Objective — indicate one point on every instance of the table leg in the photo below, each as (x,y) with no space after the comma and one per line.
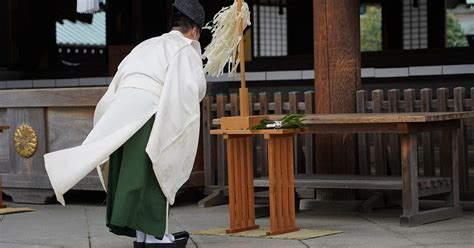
(452,199)
(1,197)
(411,214)
(409,178)
(281,184)
(1,189)
(241,190)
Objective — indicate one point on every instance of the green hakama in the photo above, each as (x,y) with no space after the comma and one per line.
(135,200)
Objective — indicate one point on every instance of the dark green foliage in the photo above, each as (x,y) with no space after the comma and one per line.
(371,29)
(454,34)
(289,121)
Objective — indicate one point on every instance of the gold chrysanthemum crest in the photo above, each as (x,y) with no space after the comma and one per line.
(26,140)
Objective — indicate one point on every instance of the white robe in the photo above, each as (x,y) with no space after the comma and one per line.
(162,76)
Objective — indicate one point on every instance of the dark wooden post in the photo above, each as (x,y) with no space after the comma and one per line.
(1,190)
(337,78)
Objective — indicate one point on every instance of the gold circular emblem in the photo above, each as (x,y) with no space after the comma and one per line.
(25,140)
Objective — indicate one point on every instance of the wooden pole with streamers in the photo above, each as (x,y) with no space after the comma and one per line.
(235,130)
(243,91)
(246,120)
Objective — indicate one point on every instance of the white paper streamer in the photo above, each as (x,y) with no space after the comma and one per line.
(87,6)
(223,48)
(275,124)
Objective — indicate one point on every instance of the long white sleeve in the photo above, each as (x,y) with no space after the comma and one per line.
(174,139)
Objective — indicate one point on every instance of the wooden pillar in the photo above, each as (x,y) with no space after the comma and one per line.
(337,78)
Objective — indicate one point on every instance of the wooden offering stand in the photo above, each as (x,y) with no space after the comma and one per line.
(280,175)
(239,155)
(237,133)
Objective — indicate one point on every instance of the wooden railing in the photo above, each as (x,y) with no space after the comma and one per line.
(377,154)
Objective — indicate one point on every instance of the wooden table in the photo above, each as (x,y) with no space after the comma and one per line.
(281,179)
(1,197)
(407,125)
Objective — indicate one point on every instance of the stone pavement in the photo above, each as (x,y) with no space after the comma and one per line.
(82,226)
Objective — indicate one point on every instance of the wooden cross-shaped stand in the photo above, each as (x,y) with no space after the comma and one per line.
(1,198)
(244,121)
(239,151)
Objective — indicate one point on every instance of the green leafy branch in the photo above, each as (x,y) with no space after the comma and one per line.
(289,121)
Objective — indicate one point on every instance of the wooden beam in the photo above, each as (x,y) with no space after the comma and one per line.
(426,185)
(430,216)
(70,97)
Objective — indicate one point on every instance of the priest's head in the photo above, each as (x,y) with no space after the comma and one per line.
(188,17)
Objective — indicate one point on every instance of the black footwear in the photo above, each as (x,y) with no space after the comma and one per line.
(165,245)
(138,244)
(180,241)
(181,238)
(180,235)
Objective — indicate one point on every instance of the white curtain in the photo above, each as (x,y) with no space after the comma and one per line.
(87,6)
